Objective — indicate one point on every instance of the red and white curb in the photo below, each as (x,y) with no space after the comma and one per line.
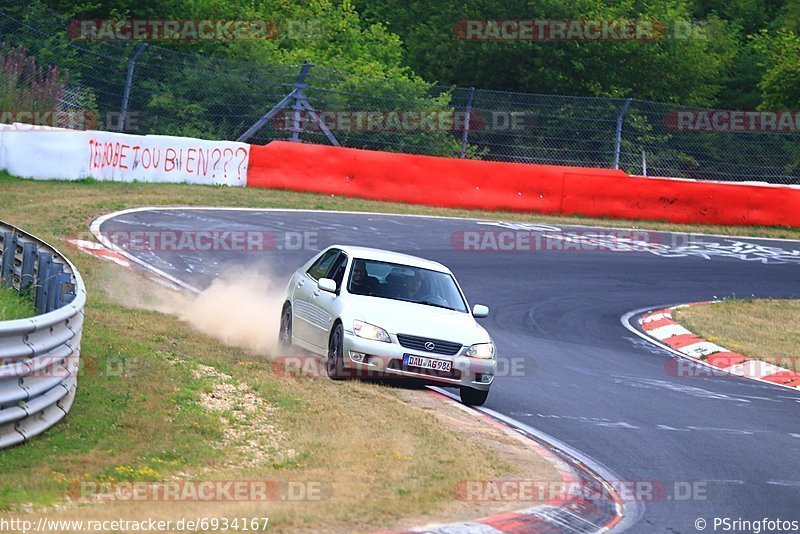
(99,250)
(659,325)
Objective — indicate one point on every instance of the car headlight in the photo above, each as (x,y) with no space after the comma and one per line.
(370,331)
(481,350)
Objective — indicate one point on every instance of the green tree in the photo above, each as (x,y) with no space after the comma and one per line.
(780,53)
(680,67)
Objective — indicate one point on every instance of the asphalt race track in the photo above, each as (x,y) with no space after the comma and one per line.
(578,374)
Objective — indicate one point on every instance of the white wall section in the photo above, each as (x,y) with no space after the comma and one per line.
(51,153)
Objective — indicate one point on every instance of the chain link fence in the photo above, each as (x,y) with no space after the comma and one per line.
(140,88)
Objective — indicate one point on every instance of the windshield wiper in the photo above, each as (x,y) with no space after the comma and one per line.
(429,303)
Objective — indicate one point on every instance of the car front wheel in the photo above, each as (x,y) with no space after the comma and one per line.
(473,397)
(335,366)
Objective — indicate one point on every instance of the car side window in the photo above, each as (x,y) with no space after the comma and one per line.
(320,267)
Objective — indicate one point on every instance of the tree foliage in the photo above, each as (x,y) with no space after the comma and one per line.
(716,64)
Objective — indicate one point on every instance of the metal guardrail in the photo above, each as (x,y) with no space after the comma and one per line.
(39,356)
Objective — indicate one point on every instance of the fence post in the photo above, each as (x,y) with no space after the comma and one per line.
(7,264)
(465,135)
(299,98)
(53,286)
(618,141)
(62,279)
(644,163)
(298,84)
(42,272)
(126,95)
(28,265)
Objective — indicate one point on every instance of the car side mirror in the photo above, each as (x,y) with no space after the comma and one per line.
(327,284)
(479,311)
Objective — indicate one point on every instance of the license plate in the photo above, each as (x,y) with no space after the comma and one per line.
(426,363)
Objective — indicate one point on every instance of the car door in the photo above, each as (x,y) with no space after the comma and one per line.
(324,305)
(303,327)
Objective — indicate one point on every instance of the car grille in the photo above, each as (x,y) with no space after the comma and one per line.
(453,374)
(418,343)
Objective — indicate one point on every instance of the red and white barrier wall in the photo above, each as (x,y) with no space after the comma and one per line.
(434,181)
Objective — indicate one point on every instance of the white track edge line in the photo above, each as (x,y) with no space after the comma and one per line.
(346,212)
(94,228)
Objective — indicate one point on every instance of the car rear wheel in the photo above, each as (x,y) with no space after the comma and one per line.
(285,332)
(335,366)
(473,397)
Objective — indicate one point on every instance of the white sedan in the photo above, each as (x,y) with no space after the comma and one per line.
(373,312)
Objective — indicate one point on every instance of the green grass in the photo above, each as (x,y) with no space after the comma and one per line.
(15,306)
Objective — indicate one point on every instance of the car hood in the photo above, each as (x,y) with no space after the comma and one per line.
(399,317)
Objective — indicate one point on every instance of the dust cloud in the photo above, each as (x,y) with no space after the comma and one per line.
(241,307)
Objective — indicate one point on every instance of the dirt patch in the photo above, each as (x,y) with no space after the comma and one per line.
(251,437)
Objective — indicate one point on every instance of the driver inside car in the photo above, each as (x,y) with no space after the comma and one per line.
(361,282)
(414,287)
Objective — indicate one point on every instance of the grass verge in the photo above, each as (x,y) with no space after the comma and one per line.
(158,402)
(767,330)
(15,306)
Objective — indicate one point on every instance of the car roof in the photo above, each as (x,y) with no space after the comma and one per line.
(367,253)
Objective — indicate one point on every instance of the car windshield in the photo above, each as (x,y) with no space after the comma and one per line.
(404,282)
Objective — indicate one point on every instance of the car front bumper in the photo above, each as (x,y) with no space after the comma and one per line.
(386,359)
